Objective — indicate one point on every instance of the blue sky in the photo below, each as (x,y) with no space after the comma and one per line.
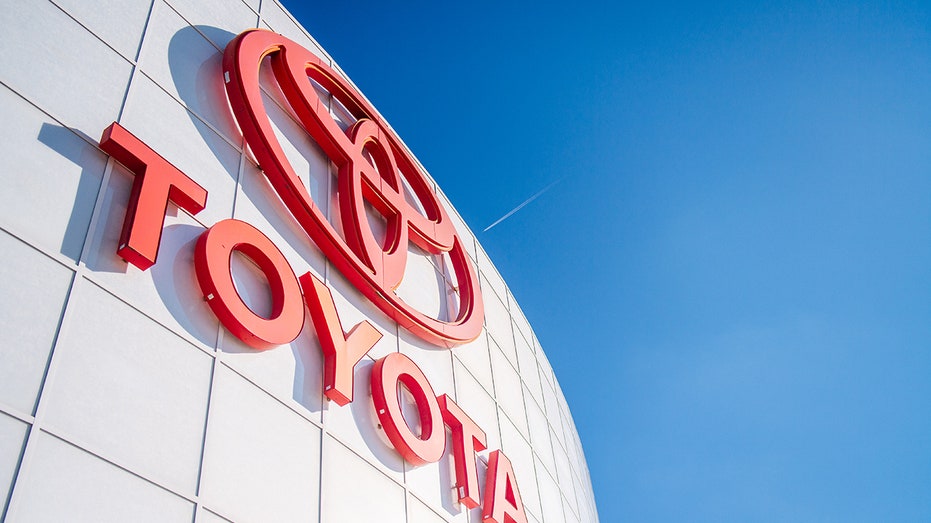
(733,278)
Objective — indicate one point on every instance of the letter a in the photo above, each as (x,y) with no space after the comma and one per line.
(502,499)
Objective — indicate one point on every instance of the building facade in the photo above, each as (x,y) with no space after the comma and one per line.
(134,386)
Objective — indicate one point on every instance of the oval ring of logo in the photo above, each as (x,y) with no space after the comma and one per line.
(370,162)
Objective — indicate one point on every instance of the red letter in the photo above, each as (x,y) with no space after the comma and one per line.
(468,439)
(157,182)
(389,372)
(341,351)
(212,265)
(502,499)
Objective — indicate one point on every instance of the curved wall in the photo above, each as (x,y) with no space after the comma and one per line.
(122,398)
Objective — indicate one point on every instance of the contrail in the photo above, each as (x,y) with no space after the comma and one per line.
(521,206)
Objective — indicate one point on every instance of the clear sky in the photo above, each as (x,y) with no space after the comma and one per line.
(732,279)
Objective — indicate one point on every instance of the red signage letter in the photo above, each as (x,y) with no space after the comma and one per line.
(157,182)
(502,499)
(390,372)
(468,438)
(212,265)
(341,351)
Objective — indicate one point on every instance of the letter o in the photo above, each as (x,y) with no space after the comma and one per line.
(212,257)
(389,372)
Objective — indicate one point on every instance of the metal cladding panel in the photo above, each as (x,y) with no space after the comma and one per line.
(125,398)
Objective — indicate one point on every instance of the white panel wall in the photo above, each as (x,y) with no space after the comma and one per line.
(121,396)
(261,457)
(12,437)
(61,482)
(34,290)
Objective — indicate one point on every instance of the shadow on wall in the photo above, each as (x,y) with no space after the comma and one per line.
(363,414)
(76,147)
(177,285)
(200,83)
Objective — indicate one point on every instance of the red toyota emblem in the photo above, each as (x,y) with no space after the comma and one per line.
(375,268)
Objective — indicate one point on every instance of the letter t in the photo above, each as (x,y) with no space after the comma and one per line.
(157,182)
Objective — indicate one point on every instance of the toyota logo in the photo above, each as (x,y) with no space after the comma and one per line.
(372,166)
